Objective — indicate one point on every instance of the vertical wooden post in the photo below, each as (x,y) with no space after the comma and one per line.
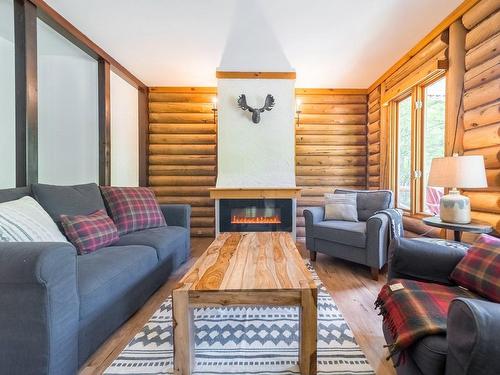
(454,89)
(25,31)
(183,325)
(143,136)
(308,332)
(104,74)
(384,142)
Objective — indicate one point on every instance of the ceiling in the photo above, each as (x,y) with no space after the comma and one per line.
(330,43)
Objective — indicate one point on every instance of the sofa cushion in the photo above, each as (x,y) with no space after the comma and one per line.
(133,208)
(90,232)
(344,232)
(341,207)
(429,354)
(168,241)
(370,201)
(68,200)
(7,195)
(479,269)
(107,275)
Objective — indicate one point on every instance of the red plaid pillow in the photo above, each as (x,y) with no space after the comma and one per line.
(479,269)
(133,208)
(90,232)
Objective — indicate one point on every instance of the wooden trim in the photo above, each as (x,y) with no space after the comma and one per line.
(183,89)
(428,70)
(143,129)
(442,26)
(26,79)
(254,193)
(104,122)
(255,75)
(312,91)
(68,30)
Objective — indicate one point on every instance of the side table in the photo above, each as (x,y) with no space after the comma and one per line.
(473,226)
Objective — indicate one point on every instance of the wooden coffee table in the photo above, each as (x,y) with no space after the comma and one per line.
(239,269)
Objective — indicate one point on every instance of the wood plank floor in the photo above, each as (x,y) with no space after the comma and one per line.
(349,284)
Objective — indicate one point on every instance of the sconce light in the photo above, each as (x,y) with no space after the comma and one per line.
(214,108)
(298,111)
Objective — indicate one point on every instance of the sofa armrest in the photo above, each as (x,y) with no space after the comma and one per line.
(177,214)
(377,240)
(312,215)
(39,308)
(413,259)
(472,334)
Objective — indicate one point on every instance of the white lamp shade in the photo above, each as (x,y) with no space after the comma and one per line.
(458,172)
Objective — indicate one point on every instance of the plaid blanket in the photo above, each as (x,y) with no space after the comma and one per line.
(418,309)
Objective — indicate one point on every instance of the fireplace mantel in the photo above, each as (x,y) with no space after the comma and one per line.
(254,193)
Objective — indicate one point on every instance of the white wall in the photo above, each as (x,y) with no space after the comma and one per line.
(256,155)
(7,97)
(124,133)
(68,130)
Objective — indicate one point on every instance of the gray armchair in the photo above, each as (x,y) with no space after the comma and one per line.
(471,344)
(364,242)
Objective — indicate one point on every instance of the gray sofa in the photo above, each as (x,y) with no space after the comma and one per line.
(57,308)
(472,344)
(364,242)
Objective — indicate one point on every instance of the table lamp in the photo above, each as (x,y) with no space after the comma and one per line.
(457,172)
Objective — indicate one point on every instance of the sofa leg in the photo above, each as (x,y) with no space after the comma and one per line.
(374,272)
(312,255)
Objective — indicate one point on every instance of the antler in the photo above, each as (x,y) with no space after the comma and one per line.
(268,104)
(242,102)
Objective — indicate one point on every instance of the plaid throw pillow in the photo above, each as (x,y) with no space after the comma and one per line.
(479,269)
(132,208)
(90,232)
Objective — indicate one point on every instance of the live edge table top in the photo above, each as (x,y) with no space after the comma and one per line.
(249,261)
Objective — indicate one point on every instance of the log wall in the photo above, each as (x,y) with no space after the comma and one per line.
(182,151)
(374,149)
(481,102)
(331,138)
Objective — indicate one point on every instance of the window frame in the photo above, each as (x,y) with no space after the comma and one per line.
(417,94)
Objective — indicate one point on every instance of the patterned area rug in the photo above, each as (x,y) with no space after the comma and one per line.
(259,340)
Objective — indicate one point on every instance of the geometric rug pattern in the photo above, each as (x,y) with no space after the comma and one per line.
(245,340)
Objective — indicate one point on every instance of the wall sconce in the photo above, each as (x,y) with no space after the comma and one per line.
(214,108)
(298,111)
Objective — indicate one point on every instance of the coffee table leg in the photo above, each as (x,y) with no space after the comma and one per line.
(182,317)
(308,332)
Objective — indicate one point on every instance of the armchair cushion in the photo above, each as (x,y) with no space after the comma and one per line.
(479,269)
(345,232)
(369,201)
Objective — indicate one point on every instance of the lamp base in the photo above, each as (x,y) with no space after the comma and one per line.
(455,208)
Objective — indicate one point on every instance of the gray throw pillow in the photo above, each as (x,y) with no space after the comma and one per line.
(341,207)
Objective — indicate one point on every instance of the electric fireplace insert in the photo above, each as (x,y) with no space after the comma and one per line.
(255,215)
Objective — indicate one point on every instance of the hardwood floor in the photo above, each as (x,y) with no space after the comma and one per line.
(350,285)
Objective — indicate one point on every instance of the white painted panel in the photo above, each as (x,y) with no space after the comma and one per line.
(7,97)
(256,155)
(68,131)
(124,133)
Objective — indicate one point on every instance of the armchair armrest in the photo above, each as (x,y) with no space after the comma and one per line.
(39,311)
(413,259)
(312,215)
(177,214)
(473,341)
(377,240)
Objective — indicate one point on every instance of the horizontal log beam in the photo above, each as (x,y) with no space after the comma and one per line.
(484,136)
(485,72)
(321,129)
(481,95)
(484,30)
(182,149)
(329,150)
(182,160)
(483,115)
(479,12)
(487,50)
(330,160)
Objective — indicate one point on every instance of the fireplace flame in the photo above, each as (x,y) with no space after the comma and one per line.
(235,219)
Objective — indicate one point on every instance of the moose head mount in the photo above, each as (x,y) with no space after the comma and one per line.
(268,105)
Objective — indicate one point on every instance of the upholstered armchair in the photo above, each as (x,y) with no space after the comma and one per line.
(364,242)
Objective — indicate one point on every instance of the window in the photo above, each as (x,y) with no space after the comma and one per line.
(7,96)
(418,123)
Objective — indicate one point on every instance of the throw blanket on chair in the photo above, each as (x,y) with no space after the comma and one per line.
(416,310)
(396,220)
